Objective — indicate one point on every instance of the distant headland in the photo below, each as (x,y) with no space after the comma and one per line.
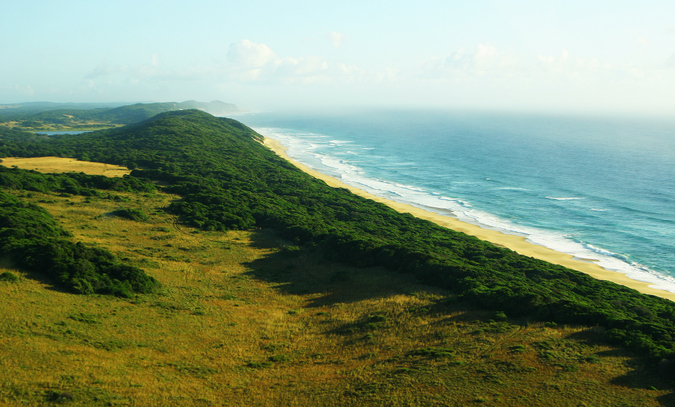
(48,116)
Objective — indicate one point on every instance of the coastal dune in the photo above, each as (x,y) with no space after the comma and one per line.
(516,243)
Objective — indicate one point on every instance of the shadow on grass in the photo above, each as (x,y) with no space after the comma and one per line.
(302,271)
(644,373)
(46,280)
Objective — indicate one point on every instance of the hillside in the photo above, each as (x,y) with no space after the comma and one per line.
(329,241)
(69,116)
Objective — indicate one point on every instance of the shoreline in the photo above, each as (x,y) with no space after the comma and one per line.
(513,242)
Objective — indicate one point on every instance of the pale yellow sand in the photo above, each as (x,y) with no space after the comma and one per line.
(58,164)
(515,243)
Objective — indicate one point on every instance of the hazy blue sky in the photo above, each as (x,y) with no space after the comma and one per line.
(532,55)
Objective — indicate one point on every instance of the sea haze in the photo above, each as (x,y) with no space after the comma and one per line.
(596,188)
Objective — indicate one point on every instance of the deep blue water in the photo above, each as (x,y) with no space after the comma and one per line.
(596,188)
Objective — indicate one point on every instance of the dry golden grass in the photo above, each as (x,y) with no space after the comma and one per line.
(60,164)
(242,321)
(10,124)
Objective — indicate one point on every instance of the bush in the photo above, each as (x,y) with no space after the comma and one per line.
(34,241)
(10,277)
(132,214)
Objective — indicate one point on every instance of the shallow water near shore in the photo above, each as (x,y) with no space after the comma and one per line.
(600,189)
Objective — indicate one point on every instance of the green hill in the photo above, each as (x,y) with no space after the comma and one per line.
(70,116)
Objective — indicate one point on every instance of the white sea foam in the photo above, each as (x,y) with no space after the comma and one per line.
(303,146)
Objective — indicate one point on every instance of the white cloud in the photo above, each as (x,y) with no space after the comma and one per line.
(104,68)
(336,38)
(642,40)
(349,70)
(670,62)
(488,58)
(552,63)
(251,62)
(562,65)
(386,75)
(25,90)
(310,69)
(248,54)
(485,60)
(247,63)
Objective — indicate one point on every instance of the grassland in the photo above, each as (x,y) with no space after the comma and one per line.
(245,318)
(62,164)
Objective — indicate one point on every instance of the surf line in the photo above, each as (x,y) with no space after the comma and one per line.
(519,244)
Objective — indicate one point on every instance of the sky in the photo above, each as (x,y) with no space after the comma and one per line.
(591,56)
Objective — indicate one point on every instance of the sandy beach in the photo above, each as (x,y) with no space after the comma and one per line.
(515,243)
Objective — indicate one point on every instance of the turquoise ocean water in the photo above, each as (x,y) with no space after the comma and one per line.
(595,188)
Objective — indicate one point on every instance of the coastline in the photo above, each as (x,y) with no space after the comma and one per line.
(513,242)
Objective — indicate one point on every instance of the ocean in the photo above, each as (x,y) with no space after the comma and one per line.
(598,188)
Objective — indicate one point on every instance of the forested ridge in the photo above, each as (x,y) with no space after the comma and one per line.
(59,116)
(228,180)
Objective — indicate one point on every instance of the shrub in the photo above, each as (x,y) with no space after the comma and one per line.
(132,214)
(10,277)
(34,241)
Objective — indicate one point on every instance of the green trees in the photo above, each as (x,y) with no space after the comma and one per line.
(132,214)
(35,242)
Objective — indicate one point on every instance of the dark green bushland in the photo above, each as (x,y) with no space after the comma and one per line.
(35,242)
(84,116)
(132,214)
(9,277)
(228,180)
(71,183)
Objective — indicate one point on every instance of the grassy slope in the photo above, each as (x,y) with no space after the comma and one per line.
(244,319)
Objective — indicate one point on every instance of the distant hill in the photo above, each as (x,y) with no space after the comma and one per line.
(143,111)
(38,107)
(46,116)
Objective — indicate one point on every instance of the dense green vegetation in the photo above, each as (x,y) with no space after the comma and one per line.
(34,241)
(70,183)
(72,116)
(228,180)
